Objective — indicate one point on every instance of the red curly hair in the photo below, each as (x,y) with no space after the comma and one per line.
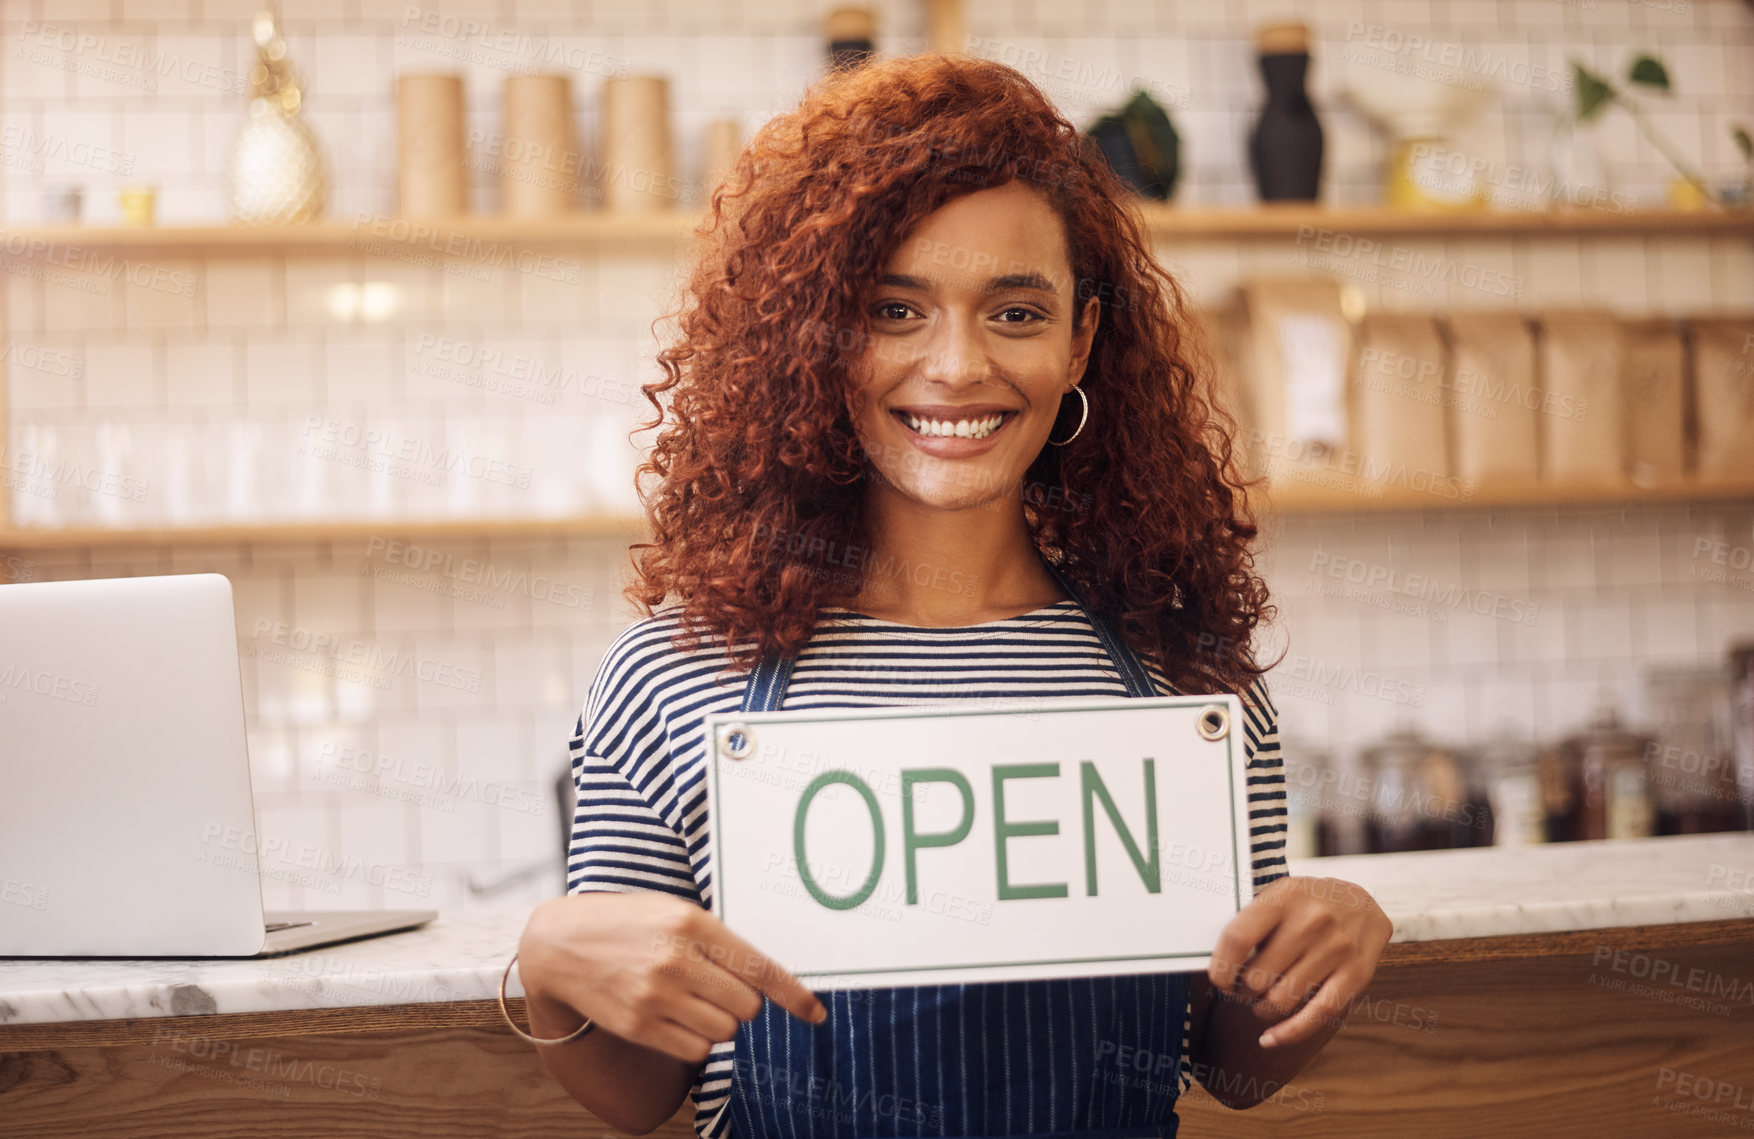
(760,439)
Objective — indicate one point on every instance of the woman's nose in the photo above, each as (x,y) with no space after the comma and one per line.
(954,353)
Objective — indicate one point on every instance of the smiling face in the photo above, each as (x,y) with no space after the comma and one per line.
(971,350)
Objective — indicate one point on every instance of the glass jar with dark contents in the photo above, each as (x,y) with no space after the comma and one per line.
(1420,798)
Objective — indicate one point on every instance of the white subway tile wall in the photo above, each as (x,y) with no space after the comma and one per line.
(409,704)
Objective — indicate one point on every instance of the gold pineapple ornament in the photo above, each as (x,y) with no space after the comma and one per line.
(276,174)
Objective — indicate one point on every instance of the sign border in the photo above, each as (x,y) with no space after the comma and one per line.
(1242,852)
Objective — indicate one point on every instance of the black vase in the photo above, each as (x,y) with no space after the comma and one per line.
(1285,147)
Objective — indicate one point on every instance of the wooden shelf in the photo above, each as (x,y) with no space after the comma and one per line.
(1295,219)
(1325,493)
(591,526)
(467,237)
(476,236)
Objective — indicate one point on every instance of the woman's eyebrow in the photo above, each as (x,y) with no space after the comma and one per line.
(994,284)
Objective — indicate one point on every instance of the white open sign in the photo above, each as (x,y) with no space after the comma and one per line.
(973,841)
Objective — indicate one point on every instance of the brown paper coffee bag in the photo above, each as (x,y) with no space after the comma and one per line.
(1294,362)
(1494,405)
(1653,393)
(1580,361)
(1396,399)
(1213,336)
(1723,373)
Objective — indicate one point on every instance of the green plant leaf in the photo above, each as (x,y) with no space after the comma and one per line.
(1591,89)
(1743,142)
(1649,71)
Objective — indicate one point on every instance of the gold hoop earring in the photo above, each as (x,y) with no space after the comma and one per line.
(1082,416)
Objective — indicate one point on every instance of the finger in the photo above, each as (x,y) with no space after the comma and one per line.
(1301,982)
(1303,945)
(672,1039)
(1272,960)
(1240,935)
(756,968)
(724,990)
(1323,1009)
(1307,924)
(702,1017)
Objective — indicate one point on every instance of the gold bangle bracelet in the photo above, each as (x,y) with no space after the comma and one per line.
(503,1011)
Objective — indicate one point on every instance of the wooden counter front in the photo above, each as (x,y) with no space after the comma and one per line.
(1543,1034)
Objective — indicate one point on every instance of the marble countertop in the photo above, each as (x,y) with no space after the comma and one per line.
(1496,891)
(460,955)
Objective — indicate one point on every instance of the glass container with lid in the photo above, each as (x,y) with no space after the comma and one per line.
(1692,766)
(1308,774)
(1419,798)
(1599,782)
(1742,726)
(1510,770)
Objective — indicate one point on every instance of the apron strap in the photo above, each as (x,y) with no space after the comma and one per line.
(1126,661)
(767,684)
(766,687)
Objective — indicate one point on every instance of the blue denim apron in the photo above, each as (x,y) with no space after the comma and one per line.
(1078,1058)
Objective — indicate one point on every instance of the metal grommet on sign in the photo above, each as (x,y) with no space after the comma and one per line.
(1214,723)
(736,741)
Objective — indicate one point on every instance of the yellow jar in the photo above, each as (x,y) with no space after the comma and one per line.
(138,204)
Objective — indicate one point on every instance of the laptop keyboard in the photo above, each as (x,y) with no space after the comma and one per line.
(277,926)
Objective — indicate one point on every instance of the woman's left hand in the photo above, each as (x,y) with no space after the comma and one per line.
(1299,953)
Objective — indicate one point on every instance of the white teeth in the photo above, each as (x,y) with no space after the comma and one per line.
(962,428)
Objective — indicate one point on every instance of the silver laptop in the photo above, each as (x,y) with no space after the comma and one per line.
(127,828)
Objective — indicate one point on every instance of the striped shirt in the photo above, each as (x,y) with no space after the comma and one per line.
(638,754)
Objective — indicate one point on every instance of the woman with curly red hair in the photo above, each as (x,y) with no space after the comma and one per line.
(932,428)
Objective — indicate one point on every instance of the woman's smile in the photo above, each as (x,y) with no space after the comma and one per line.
(953,433)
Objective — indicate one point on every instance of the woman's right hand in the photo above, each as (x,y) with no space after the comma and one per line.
(652,968)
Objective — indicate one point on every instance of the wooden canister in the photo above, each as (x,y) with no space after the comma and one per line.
(638,168)
(540,162)
(724,141)
(852,36)
(431,178)
(947,26)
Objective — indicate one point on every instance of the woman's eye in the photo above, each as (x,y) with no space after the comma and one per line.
(893,310)
(1028,315)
